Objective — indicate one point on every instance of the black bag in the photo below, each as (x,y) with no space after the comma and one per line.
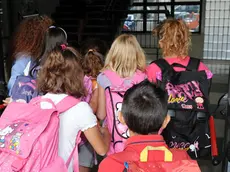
(188,104)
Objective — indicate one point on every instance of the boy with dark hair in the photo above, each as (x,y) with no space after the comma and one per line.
(144,111)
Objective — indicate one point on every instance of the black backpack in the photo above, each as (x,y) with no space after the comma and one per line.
(188,104)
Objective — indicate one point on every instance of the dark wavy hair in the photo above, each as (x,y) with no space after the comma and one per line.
(54,36)
(62,73)
(93,52)
(28,38)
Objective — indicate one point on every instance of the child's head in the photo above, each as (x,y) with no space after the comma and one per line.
(54,36)
(125,56)
(93,52)
(175,38)
(144,108)
(62,73)
(29,36)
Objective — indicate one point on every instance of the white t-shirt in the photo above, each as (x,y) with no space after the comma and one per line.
(79,117)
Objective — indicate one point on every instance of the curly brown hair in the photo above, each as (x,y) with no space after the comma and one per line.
(92,63)
(62,73)
(28,37)
(175,38)
(93,51)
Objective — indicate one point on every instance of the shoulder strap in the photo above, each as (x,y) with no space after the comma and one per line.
(193,64)
(67,103)
(162,64)
(74,154)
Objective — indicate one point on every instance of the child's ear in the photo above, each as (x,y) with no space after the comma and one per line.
(166,121)
(121,118)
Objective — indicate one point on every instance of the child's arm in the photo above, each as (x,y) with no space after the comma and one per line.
(101,110)
(94,101)
(100,140)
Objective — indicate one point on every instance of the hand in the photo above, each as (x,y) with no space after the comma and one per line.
(7,101)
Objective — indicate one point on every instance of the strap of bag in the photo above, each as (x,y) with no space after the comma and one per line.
(67,103)
(163,65)
(193,64)
(74,154)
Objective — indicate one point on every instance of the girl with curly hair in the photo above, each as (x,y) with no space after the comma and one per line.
(175,41)
(93,52)
(27,44)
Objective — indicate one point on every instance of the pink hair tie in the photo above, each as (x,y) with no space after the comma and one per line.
(63,47)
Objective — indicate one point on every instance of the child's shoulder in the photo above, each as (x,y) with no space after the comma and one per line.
(179,154)
(112,161)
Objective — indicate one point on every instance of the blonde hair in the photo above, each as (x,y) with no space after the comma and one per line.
(175,38)
(125,56)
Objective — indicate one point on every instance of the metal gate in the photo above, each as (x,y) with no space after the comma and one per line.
(217,30)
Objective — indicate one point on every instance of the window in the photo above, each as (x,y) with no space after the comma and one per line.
(147,14)
(190,14)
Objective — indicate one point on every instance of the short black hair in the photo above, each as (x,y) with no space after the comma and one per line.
(144,108)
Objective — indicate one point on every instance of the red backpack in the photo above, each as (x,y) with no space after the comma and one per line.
(134,162)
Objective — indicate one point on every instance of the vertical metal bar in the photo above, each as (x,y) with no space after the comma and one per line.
(228,34)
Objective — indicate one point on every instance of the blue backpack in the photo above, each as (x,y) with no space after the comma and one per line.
(24,88)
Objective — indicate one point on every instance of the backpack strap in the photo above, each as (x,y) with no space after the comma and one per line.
(74,154)
(193,64)
(162,64)
(67,103)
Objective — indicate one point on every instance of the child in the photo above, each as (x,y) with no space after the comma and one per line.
(53,36)
(27,44)
(187,81)
(124,67)
(144,111)
(175,39)
(62,75)
(93,52)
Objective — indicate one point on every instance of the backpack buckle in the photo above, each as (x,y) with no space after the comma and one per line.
(201,116)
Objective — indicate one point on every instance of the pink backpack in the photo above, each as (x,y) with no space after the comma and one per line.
(88,86)
(114,97)
(29,137)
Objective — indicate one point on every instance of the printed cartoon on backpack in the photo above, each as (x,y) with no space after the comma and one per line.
(114,98)
(187,105)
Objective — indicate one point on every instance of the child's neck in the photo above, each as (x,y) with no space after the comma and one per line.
(131,133)
(174,56)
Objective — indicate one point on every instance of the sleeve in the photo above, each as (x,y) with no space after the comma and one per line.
(151,72)
(202,66)
(17,69)
(103,80)
(86,116)
(107,163)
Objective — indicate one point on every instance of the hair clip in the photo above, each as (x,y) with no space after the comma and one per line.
(90,50)
(96,53)
(52,27)
(63,47)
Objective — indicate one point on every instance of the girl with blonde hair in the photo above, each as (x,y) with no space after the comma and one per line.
(124,67)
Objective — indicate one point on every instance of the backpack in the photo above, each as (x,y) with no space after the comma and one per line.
(188,106)
(114,97)
(134,162)
(88,86)
(29,136)
(24,88)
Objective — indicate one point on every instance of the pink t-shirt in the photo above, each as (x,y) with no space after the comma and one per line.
(153,71)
